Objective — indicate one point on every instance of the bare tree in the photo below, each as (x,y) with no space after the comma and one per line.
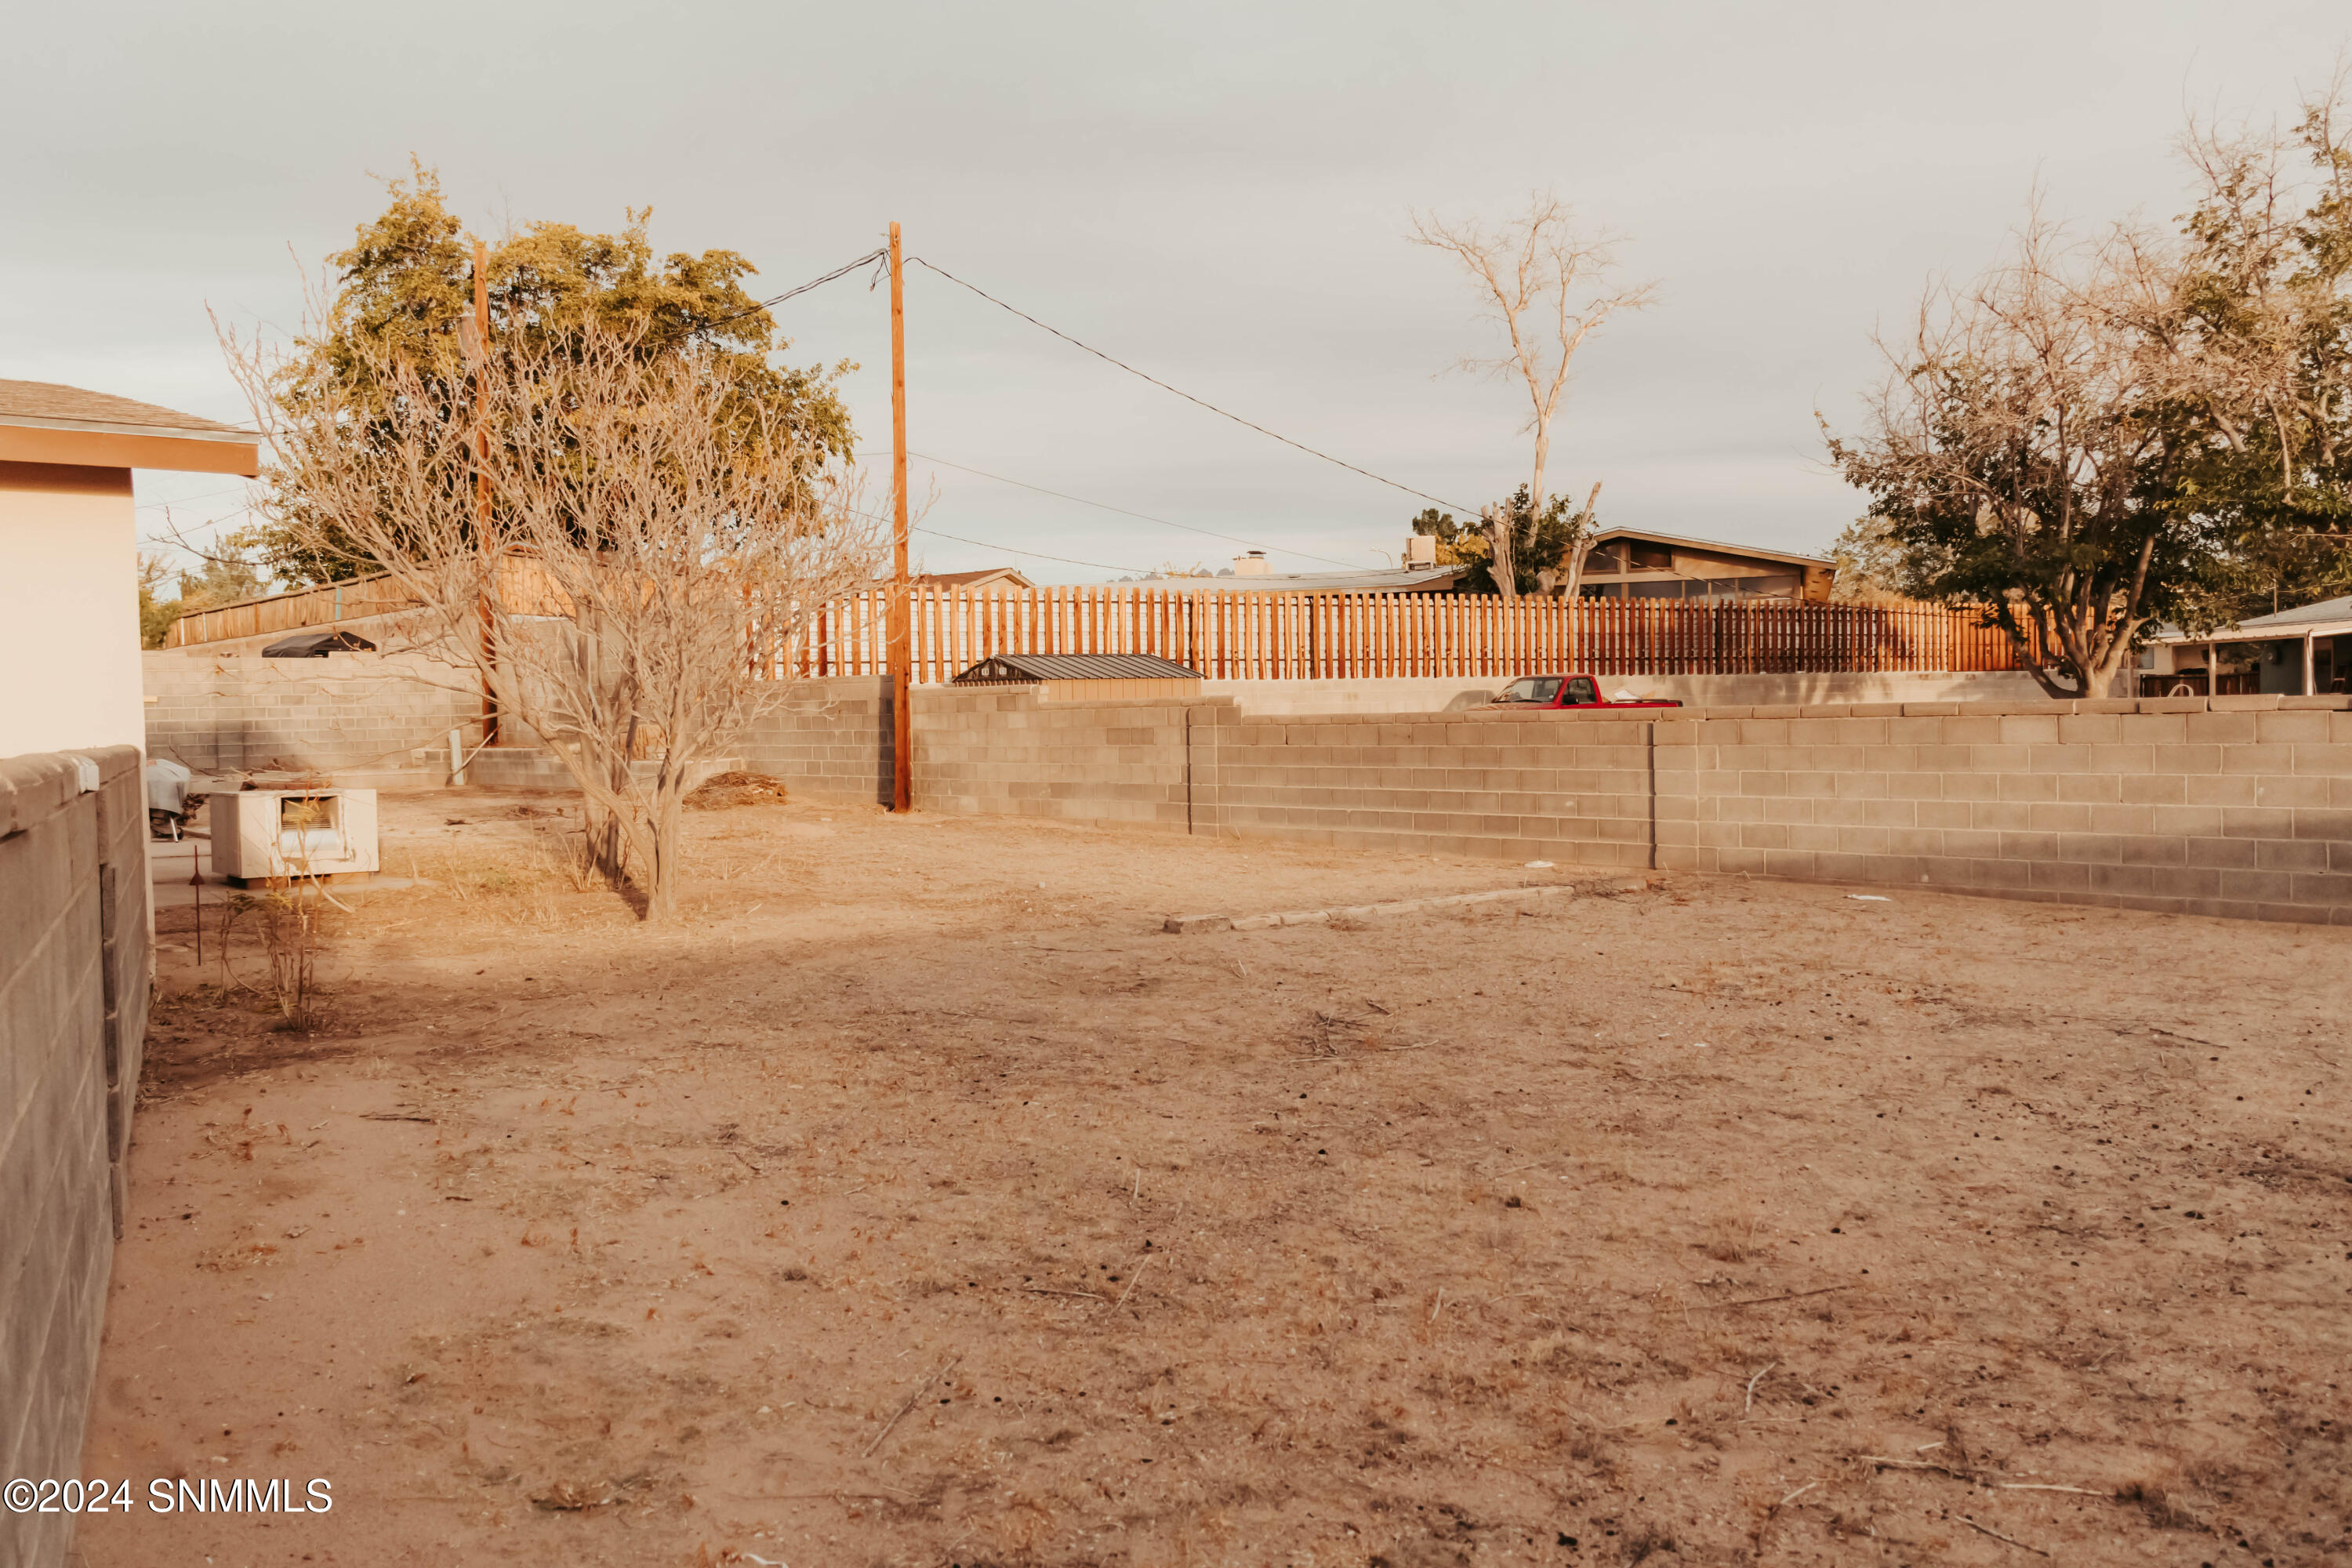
(627,554)
(2022,456)
(1551,284)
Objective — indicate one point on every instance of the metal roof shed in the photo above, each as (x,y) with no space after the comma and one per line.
(1086,677)
(318,645)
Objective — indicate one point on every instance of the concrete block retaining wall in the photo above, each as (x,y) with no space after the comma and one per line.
(382,720)
(829,741)
(1449,783)
(2231,805)
(75,965)
(2186,804)
(2237,806)
(993,752)
(370,718)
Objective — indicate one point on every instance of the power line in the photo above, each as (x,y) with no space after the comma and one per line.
(984,544)
(1105,506)
(1039,555)
(843,270)
(188,500)
(1187,396)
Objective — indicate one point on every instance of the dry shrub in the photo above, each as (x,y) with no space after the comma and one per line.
(1646,1542)
(2164,1511)
(1727,1247)
(721,790)
(237,1255)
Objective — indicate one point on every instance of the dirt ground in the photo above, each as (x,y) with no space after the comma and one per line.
(915,1200)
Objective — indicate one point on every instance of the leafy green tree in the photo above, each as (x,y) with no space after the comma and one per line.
(1872,567)
(1539,545)
(155,615)
(2022,457)
(215,580)
(407,286)
(2251,324)
(2092,439)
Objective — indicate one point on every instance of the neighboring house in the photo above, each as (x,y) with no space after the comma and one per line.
(2302,652)
(69,597)
(1622,563)
(1635,564)
(987,577)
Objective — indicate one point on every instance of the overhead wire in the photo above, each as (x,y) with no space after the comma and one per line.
(984,544)
(1069,560)
(188,500)
(843,270)
(1200,401)
(1105,506)
(881,253)
(1122,512)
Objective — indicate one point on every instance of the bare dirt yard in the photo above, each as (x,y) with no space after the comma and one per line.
(915,1200)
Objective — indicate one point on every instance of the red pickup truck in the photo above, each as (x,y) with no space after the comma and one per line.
(1566,691)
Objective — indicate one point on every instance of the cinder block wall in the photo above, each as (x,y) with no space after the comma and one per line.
(75,965)
(2237,806)
(1453,783)
(362,716)
(829,739)
(2232,805)
(983,752)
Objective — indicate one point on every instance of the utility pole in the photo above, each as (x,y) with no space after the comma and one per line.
(482,484)
(902,719)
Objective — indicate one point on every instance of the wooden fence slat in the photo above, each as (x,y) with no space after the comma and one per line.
(1242,634)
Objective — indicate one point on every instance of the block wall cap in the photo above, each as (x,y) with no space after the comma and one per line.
(35,787)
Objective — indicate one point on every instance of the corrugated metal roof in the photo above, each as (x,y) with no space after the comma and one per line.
(1007,667)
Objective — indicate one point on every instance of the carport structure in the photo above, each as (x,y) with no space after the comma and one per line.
(2300,652)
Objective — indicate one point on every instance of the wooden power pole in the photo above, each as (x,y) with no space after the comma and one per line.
(482,483)
(902,718)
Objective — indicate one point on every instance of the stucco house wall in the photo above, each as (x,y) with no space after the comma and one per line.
(68,609)
(69,556)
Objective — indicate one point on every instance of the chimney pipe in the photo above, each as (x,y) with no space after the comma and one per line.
(1253,564)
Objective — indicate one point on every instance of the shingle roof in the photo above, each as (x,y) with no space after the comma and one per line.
(1006,668)
(1723,546)
(47,403)
(2327,612)
(1390,580)
(986,575)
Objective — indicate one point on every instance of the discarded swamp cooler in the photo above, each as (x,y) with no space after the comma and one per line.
(272,836)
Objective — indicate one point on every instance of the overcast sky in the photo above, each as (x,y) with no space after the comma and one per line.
(1214,193)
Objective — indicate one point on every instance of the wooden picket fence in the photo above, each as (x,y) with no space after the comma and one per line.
(1247,634)
(290,612)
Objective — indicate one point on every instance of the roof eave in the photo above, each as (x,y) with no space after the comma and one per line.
(94,446)
(1721,546)
(2260,634)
